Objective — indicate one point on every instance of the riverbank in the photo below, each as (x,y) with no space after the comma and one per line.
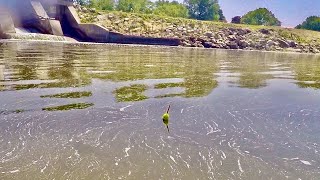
(206,34)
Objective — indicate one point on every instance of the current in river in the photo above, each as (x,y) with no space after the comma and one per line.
(90,111)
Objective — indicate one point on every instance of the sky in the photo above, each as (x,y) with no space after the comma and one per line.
(289,12)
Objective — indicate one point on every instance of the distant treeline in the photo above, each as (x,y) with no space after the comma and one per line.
(195,9)
(311,23)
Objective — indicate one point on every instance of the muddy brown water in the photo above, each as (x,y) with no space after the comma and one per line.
(81,111)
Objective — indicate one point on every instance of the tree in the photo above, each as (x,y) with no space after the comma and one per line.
(311,23)
(236,20)
(81,2)
(144,6)
(221,16)
(204,9)
(102,4)
(173,9)
(261,16)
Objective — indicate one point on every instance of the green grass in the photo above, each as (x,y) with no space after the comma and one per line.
(159,23)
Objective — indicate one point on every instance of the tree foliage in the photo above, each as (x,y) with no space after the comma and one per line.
(102,4)
(195,9)
(82,2)
(173,9)
(261,16)
(136,6)
(311,23)
(221,16)
(204,9)
(236,20)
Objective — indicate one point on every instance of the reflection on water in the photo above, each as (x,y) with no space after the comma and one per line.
(69,95)
(69,107)
(76,66)
(80,111)
(308,74)
(131,93)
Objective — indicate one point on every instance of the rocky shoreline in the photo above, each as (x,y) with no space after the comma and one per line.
(231,38)
(193,33)
(205,34)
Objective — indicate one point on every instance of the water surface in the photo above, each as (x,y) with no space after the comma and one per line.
(71,111)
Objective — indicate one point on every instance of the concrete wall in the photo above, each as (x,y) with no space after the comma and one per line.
(96,33)
(6,22)
(55,27)
(63,20)
(29,14)
(1,72)
(20,10)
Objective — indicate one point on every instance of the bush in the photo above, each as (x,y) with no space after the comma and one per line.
(261,16)
(236,20)
(172,9)
(136,6)
(311,23)
(204,10)
(102,4)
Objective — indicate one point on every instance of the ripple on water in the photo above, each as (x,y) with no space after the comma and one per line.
(234,115)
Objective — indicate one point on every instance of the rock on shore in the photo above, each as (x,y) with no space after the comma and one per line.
(193,33)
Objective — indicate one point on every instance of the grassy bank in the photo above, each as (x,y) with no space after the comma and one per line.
(201,33)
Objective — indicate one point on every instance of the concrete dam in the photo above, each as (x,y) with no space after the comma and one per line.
(60,18)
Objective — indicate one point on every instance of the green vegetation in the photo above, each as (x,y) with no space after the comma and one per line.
(81,2)
(141,6)
(69,95)
(204,9)
(261,16)
(173,9)
(102,4)
(236,20)
(194,9)
(307,73)
(208,10)
(69,107)
(131,93)
(253,80)
(311,23)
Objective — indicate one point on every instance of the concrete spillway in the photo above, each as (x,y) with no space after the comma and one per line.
(59,17)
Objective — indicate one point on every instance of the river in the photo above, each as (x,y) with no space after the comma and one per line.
(84,111)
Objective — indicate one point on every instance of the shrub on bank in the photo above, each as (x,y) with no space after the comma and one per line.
(311,23)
